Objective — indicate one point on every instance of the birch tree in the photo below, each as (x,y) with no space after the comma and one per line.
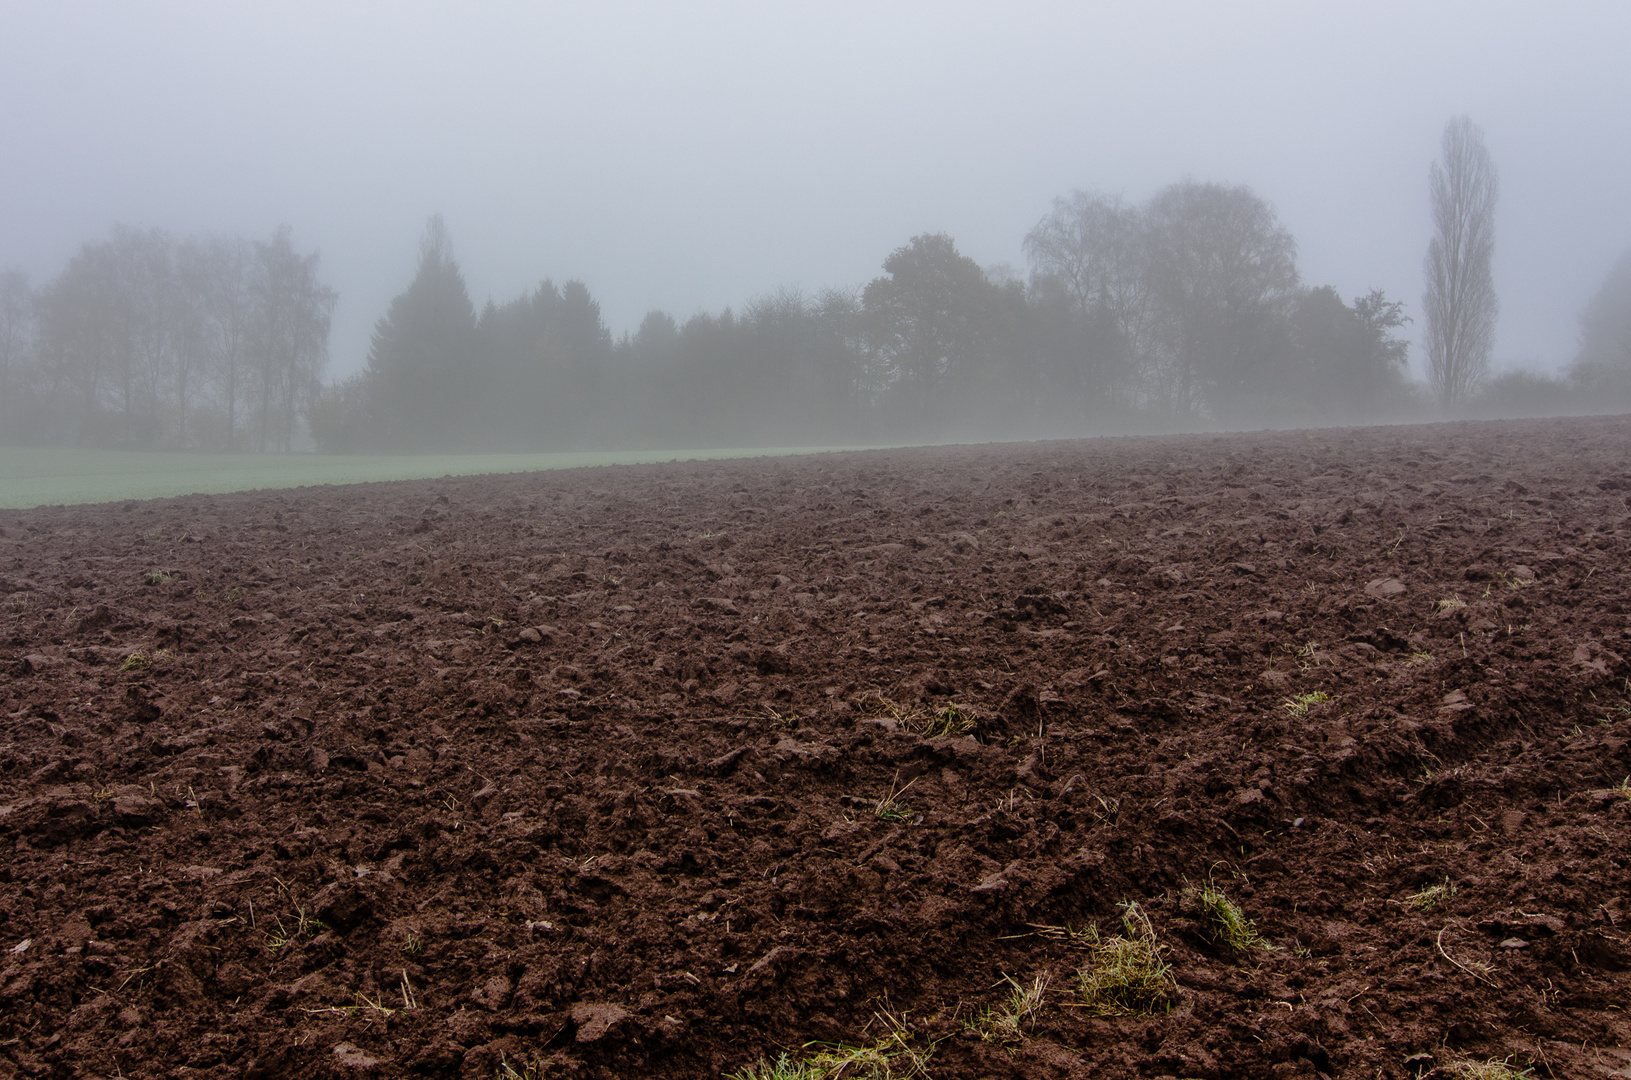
(226,285)
(289,340)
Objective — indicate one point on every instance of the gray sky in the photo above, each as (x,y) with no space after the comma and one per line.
(691,156)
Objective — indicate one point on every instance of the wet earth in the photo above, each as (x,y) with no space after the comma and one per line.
(652,770)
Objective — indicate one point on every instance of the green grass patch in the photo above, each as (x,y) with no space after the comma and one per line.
(1224,920)
(891,808)
(1432,896)
(1300,704)
(49,476)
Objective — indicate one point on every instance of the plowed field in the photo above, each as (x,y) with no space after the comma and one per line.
(655,770)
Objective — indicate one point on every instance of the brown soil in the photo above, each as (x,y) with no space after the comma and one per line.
(586,766)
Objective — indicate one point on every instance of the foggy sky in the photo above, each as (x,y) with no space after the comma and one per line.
(693,156)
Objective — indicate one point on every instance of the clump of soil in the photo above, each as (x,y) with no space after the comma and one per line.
(650,770)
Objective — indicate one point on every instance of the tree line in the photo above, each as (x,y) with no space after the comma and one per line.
(1181,312)
(145,341)
(1185,311)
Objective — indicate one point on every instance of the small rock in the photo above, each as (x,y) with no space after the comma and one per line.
(354,1058)
(1455,701)
(840,829)
(595,1020)
(1385,587)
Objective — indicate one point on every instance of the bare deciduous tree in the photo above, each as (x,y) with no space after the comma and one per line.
(227,293)
(144,341)
(1460,302)
(288,343)
(1223,274)
(1091,244)
(1092,250)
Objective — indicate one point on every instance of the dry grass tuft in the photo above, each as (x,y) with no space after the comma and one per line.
(1008,1022)
(1468,1069)
(301,925)
(891,1057)
(949,720)
(884,709)
(1125,975)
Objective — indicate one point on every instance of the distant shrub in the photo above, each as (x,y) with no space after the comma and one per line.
(1527,393)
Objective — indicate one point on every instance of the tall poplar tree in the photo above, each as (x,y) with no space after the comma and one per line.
(1460,303)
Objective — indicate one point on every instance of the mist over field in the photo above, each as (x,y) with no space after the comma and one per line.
(519,229)
(743,541)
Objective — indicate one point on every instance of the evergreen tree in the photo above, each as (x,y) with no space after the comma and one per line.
(420,358)
(928,323)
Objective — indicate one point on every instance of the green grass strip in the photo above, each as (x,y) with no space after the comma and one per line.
(33,476)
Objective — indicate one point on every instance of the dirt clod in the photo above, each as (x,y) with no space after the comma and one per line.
(671,770)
